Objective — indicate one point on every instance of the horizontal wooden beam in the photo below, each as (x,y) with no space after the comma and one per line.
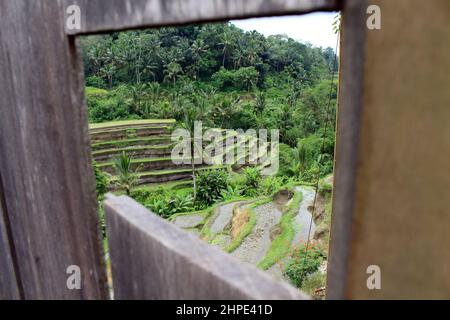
(114,15)
(153,259)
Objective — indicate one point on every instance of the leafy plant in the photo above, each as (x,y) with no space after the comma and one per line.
(210,184)
(165,204)
(270,185)
(126,176)
(101,181)
(304,261)
(231,192)
(252,180)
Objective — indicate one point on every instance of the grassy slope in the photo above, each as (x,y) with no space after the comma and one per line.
(129,122)
(281,245)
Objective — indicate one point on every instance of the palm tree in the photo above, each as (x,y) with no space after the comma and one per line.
(198,47)
(191,115)
(260,103)
(227,45)
(172,71)
(127,177)
(108,71)
(238,58)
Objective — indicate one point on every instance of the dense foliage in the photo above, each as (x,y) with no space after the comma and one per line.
(304,262)
(234,79)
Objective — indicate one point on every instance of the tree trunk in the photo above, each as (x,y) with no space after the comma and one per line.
(194,182)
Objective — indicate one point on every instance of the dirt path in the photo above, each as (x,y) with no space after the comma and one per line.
(188,221)
(222,217)
(301,226)
(303,219)
(254,247)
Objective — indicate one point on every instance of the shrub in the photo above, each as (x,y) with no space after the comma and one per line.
(270,185)
(231,192)
(252,180)
(166,204)
(141,195)
(303,263)
(210,184)
(101,181)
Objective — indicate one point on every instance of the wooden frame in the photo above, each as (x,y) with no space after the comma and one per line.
(49,218)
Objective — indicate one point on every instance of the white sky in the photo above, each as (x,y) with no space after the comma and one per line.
(315,28)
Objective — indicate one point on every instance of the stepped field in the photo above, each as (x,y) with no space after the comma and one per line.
(149,144)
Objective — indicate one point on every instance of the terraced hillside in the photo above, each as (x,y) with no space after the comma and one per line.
(148,143)
(259,231)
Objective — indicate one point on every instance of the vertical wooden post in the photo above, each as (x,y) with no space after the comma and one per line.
(45,164)
(391,206)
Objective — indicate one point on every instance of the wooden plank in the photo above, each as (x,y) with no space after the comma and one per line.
(45,161)
(113,15)
(9,284)
(347,142)
(394,213)
(402,213)
(153,259)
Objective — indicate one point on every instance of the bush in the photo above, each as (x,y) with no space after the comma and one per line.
(270,185)
(141,195)
(231,192)
(252,180)
(210,184)
(165,204)
(101,181)
(303,263)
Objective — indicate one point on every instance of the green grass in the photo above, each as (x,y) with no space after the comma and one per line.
(205,232)
(236,242)
(281,245)
(129,122)
(129,131)
(125,142)
(313,282)
(163,172)
(138,161)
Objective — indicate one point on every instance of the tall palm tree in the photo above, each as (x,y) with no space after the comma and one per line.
(197,48)
(108,71)
(191,115)
(238,58)
(227,45)
(172,71)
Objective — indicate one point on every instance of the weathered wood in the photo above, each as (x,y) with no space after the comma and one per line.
(9,284)
(153,259)
(45,162)
(400,215)
(347,141)
(102,16)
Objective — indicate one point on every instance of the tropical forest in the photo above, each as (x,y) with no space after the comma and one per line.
(142,87)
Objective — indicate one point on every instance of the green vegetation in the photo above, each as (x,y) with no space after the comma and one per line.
(126,176)
(248,227)
(211,184)
(281,245)
(141,85)
(304,261)
(227,77)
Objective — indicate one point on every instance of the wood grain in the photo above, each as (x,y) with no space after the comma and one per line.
(9,280)
(347,143)
(45,160)
(113,15)
(153,259)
